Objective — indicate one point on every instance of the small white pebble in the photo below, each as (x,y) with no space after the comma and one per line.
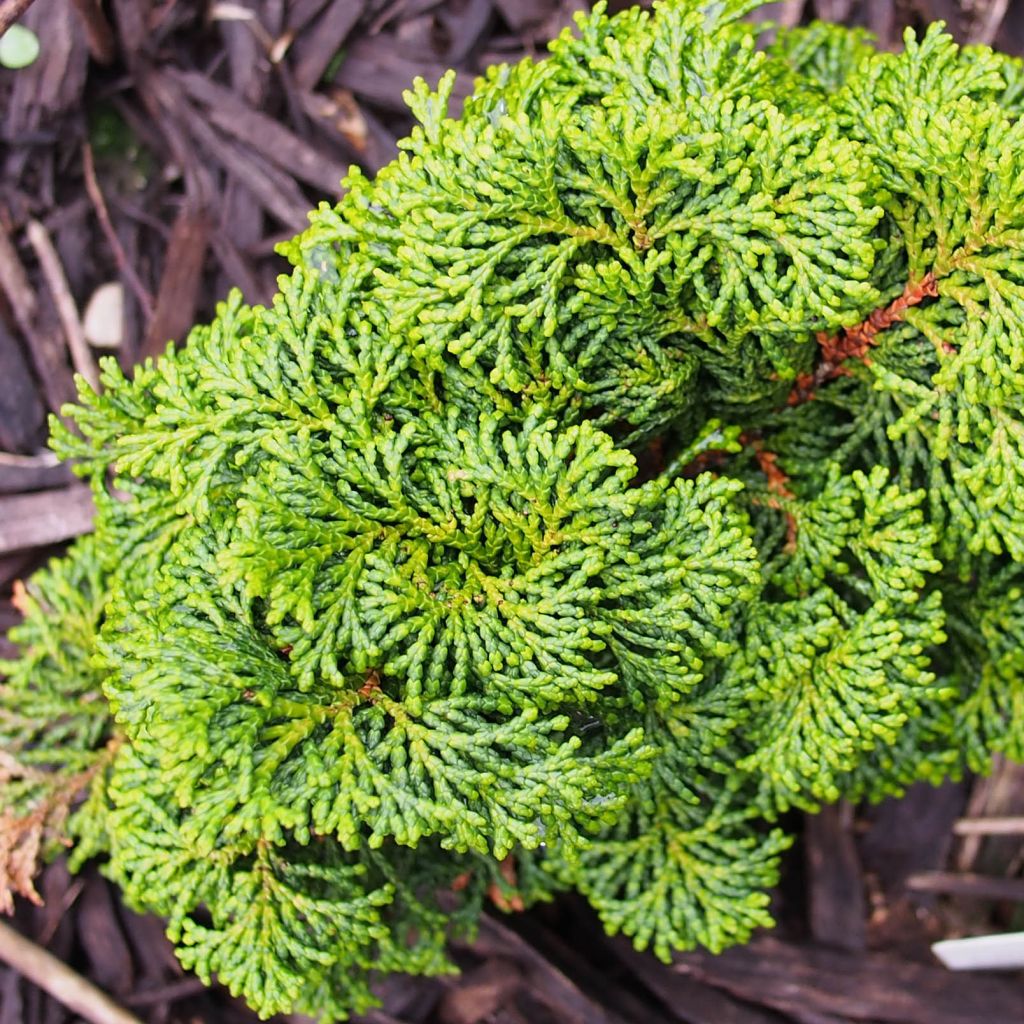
(19,47)
(103,322)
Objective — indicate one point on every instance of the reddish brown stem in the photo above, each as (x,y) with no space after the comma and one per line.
(461,881)
(778,485)
(502,901)
(777,480)
(855,342)
(371,687)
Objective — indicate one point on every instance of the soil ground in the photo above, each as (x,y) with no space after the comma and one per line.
(150,159)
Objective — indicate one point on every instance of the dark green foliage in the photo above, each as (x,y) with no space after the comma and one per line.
(637,457)
(823,55)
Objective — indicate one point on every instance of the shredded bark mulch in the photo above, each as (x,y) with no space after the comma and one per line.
(150,159)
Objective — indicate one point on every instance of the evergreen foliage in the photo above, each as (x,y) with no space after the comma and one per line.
(637,457)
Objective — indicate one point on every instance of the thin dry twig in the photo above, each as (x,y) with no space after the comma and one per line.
(14,283)
(58,980)
(984,887)
(98,33)
(44,346)
(103,215)
(1012,825)
(53,271)
(11,11)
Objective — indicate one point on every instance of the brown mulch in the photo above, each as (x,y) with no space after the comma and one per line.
(159,149)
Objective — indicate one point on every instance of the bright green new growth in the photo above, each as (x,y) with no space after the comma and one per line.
(637,457)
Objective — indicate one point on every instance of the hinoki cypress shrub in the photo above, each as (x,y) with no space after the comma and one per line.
(639,456)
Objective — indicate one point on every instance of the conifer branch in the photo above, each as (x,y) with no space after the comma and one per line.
(26,839)
(436,581)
